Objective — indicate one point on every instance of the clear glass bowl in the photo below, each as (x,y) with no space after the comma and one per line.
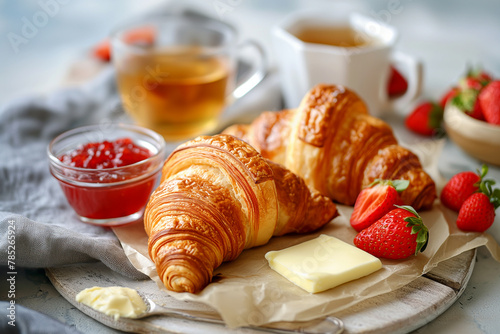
(111,196)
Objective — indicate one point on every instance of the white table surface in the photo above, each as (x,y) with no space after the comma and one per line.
(446,35)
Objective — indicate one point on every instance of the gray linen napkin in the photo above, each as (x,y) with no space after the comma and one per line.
(47,231)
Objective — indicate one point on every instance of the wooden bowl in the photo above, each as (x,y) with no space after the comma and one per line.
(478,138)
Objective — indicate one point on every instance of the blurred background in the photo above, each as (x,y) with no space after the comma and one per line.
(43,41)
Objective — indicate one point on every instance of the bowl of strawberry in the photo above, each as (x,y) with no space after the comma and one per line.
(107,172)
(472,116)
(469,112)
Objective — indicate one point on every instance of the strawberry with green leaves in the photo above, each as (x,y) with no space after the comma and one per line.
(460,187)
(489,102)
(466,101)
(397,235)
(425,119)
(477,213)
(475,79)
(375,201)
(470,87)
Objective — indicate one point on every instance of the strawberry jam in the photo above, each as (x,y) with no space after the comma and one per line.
(116,184)
(106,154)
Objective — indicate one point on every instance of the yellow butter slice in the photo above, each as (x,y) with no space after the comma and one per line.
(322,263)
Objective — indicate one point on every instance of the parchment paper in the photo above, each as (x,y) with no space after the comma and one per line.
(247,292)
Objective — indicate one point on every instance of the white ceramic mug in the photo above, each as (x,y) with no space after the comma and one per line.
(364,69)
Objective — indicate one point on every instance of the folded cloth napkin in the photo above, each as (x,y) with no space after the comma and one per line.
(47,231)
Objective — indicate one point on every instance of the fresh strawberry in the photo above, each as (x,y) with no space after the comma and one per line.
(489,100)
(460,187)
(467,101)
(477,214)
(450,94)
(397,83)
(102,50)
(477,111)
(470,87)
(375,201)
(471,83)
(425,119)
(397,235)
(486,77)
(140,36)
(475,79)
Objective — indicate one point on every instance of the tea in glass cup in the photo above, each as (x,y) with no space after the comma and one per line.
(176,74)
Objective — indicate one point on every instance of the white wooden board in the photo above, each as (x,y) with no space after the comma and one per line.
(400,311)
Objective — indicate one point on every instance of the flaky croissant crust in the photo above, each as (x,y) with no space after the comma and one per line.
(217,197)
(332,142)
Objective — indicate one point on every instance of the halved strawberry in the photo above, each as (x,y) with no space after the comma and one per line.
(425,119)
(375,201)
(397,235)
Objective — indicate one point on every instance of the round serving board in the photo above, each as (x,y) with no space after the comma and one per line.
(400,311)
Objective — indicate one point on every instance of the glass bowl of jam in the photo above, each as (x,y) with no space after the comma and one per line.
(107,171)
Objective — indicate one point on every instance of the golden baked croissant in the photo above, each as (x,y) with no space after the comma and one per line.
(217,197)
(332,142)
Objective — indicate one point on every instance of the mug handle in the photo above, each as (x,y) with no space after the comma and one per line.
(414,70)
(258,73)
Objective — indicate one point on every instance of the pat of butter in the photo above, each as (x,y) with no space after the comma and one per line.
(322,263)
(114,301)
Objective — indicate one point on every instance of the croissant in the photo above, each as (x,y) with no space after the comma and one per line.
(332,142)
(217,197)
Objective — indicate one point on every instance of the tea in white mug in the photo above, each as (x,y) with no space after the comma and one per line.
(341,48)
(340,36)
